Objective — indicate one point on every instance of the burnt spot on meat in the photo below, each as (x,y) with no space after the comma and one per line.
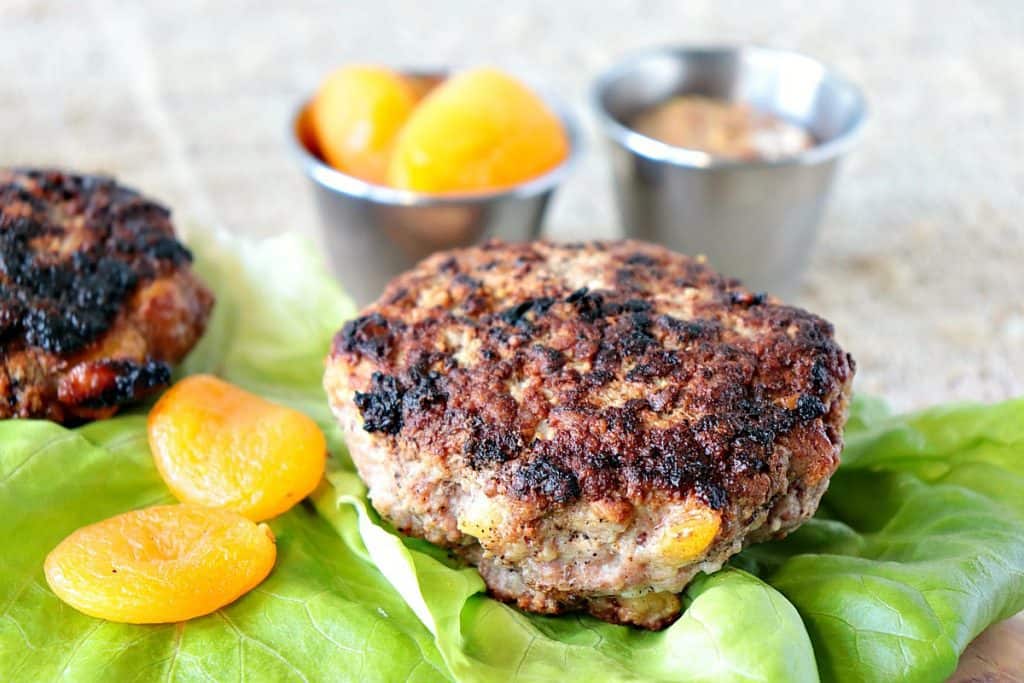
(810,407)
(137,227)
(513,315)
(713,494)
(391,401)
(665,469)
(745,298)
(549,360)
(589,305)
(751,447)
(577,295)
(62,306)
(639,336)
(542,304)
(372,335)
(691,330)
(603,460)
(598,378)
(627,418)
(491,445)
(640,259)
(637,306)
(11,313)
(467,281)
(676,462)
(610,308)
(627,338)
(112,382)
(426,391)
(820,378)
(63,301)
(626,278)
(662,363)
(517,315)
(163,248)
(540,477)
(381,406)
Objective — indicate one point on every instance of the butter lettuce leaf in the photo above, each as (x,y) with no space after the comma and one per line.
(277,310)
(923,547)
(323,614)
(735,627)
(918,545)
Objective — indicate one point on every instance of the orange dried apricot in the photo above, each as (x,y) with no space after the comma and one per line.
(161,564)
(479,130)
(218,445)
(356,116)
(686,537)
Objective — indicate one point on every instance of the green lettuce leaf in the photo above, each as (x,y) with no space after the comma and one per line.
(918,545)
(735,628)
(924,546)
(312,619)
(276,312)
(323,614)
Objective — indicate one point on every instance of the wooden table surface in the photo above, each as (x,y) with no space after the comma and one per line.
(996,656)
(919,262)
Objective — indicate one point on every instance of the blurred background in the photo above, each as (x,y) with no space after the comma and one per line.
(920,262)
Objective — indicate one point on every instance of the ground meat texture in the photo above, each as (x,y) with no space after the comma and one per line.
(97,296)
(590,424)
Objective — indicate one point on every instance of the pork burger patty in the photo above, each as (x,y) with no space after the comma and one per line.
(97,297)
(592,424)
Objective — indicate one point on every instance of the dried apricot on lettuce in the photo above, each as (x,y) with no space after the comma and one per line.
(161,564)
(356,116)
(479,130)
(218,445)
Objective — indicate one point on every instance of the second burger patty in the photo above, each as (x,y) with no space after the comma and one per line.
(590,424)
(97,296)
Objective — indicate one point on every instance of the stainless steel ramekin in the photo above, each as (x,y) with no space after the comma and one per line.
(756,220)
(373,232)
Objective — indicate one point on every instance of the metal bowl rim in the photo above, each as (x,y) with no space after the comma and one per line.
(350,186)
(651,148)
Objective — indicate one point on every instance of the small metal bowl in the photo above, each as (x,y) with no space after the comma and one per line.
(373,233)
(756,220)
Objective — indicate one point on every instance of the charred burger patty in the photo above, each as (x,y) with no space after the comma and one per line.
(591,425)
(97,297)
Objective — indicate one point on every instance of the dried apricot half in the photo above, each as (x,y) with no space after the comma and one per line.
(356,116)
(218,445)
(161,564)
(479,130)
(686,537)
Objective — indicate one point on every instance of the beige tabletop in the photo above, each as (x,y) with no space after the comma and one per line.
(920,259)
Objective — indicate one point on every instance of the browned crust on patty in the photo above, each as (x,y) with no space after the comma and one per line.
(595,371)
(575,420)
(97,296)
